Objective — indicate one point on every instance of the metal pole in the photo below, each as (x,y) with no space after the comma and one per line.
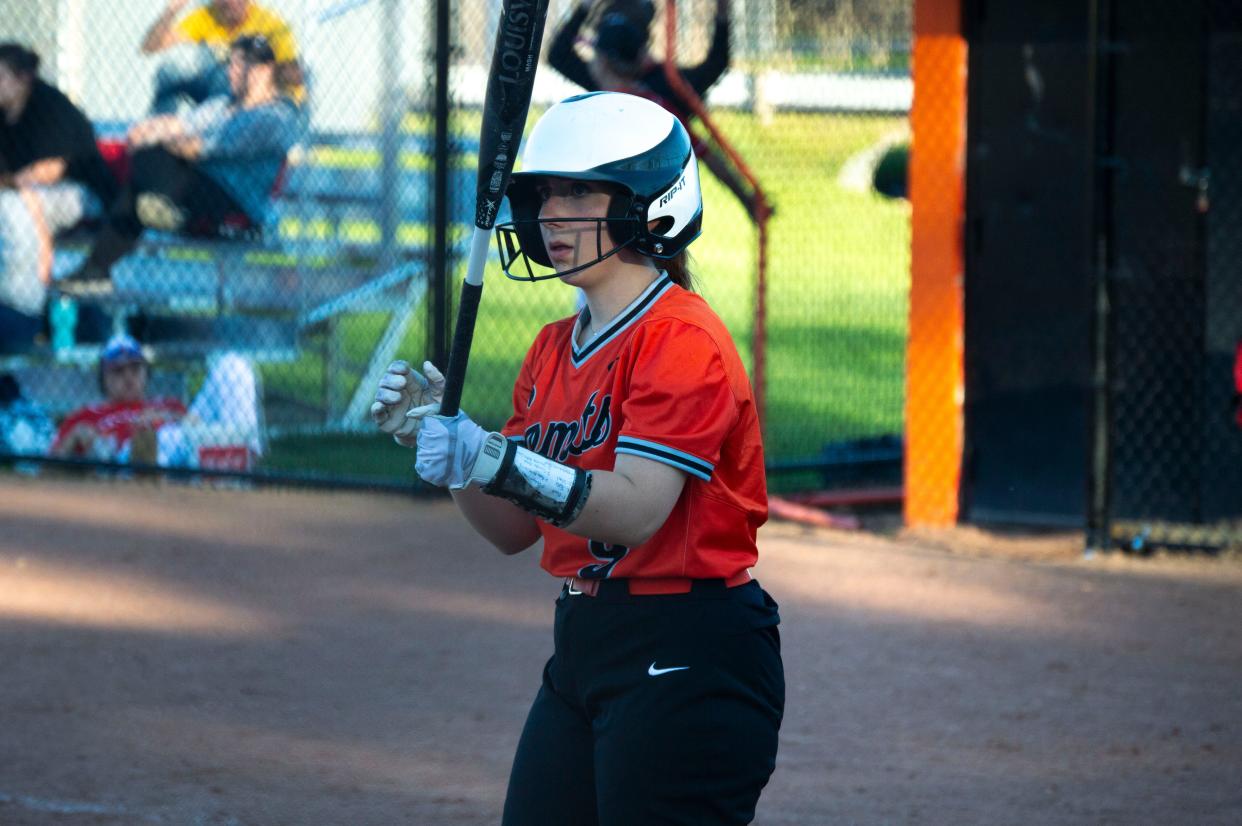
(71,50)
(1101,92)
(441,270)
(392,105)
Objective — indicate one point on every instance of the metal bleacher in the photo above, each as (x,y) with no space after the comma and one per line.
(322,255)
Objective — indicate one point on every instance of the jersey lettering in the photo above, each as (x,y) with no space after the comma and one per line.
(662,381)
(560,440)
(607,554)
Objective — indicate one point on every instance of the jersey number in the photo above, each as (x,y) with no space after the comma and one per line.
(607,554)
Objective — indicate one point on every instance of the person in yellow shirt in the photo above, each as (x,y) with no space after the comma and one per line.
(197,46)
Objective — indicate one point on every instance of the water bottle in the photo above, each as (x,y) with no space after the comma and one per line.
(64,318)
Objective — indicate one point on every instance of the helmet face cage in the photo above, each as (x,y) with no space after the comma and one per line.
(515,245)
(520,240)
(657,209)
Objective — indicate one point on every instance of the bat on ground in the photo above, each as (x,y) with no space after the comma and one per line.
(505,104)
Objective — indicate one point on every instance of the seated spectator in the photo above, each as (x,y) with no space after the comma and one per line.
(51,177)
(191,172)
(25,429)
(195,66)
(108,431)
(620,62)
(130,427)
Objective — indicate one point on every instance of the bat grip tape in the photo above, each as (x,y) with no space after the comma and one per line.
(459,356)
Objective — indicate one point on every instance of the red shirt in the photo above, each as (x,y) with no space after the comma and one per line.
(115,421)
(663,381)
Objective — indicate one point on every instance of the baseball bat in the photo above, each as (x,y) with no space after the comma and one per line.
(505,104)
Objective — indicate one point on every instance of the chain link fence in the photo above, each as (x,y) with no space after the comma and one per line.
(1102,295)
(266,315)
(1174,452)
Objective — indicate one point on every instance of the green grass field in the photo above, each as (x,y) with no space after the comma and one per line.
(838,281)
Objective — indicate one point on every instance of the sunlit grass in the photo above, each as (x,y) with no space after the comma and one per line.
(837,293)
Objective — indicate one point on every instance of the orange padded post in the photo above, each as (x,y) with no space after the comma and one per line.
(937,194)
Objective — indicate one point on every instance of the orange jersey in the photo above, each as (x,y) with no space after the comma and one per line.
(662,381)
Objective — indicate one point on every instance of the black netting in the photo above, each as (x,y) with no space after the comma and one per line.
(1176,296)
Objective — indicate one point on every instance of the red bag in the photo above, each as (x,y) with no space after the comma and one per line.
(226,458)
(1237,383)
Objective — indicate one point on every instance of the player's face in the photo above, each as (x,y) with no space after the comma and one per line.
(571,242)
(125,382)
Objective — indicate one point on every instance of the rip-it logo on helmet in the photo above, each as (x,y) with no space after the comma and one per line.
(609,137)
(677,187)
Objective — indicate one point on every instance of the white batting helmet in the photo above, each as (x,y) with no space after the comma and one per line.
(621,139)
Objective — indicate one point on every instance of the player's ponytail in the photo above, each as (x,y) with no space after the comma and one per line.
(19,59)
(678,269)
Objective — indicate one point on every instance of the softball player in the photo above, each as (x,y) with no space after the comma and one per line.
(634,452)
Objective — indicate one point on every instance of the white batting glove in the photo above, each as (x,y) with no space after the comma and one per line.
(447,447)
(401,390)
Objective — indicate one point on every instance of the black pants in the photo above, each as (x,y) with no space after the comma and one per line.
(653,710)
(157,171)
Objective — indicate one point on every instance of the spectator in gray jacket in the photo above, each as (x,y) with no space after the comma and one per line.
(191,172)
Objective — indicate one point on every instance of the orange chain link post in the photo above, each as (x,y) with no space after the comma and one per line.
(934,371)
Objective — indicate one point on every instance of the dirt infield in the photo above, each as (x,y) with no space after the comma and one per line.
(181,656)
